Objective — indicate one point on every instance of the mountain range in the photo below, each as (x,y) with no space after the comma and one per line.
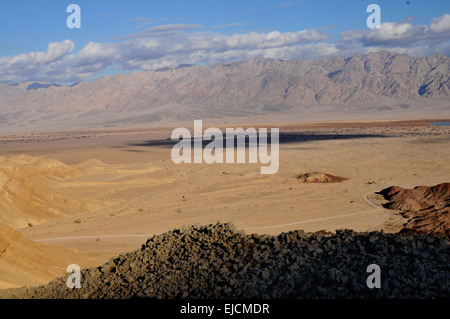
(372,86)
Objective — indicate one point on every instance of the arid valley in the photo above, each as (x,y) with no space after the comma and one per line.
(83,197)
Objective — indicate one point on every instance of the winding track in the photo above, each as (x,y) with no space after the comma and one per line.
(376,209)
(91,237)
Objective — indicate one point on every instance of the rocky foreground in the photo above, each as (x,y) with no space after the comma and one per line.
(217,261)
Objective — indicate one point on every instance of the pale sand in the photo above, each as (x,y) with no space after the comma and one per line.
(108,208)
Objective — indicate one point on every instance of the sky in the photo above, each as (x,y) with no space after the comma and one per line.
(36,43)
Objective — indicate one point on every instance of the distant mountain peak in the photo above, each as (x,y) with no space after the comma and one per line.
(260,85)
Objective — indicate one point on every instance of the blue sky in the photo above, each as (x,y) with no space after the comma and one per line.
(121,36)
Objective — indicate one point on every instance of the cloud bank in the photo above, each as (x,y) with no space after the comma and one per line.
(164,45)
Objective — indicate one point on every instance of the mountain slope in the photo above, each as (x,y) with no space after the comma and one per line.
(24,262)
(238,88)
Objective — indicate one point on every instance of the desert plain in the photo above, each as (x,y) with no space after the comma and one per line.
(83,197)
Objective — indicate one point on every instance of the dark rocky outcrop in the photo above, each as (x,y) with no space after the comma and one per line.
(216,261)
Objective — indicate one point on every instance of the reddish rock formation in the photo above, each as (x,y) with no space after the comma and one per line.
(427,208)
(320,178)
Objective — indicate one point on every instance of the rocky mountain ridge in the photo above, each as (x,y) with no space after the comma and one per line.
(235,89)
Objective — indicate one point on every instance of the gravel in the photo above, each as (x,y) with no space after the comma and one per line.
(218,261)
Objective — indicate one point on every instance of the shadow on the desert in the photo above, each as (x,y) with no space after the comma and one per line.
(284,138)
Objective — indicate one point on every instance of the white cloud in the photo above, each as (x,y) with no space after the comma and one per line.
(402,37)
(163,30)
(23,66)
(229,25)
(440,24)
(176,44)
(207,47)
(55,51)
(404,34)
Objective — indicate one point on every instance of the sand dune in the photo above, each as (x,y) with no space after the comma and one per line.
(40,190)
(23,262)
(36,190)
(28,194)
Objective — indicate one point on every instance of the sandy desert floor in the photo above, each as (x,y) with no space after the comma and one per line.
(84,197)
